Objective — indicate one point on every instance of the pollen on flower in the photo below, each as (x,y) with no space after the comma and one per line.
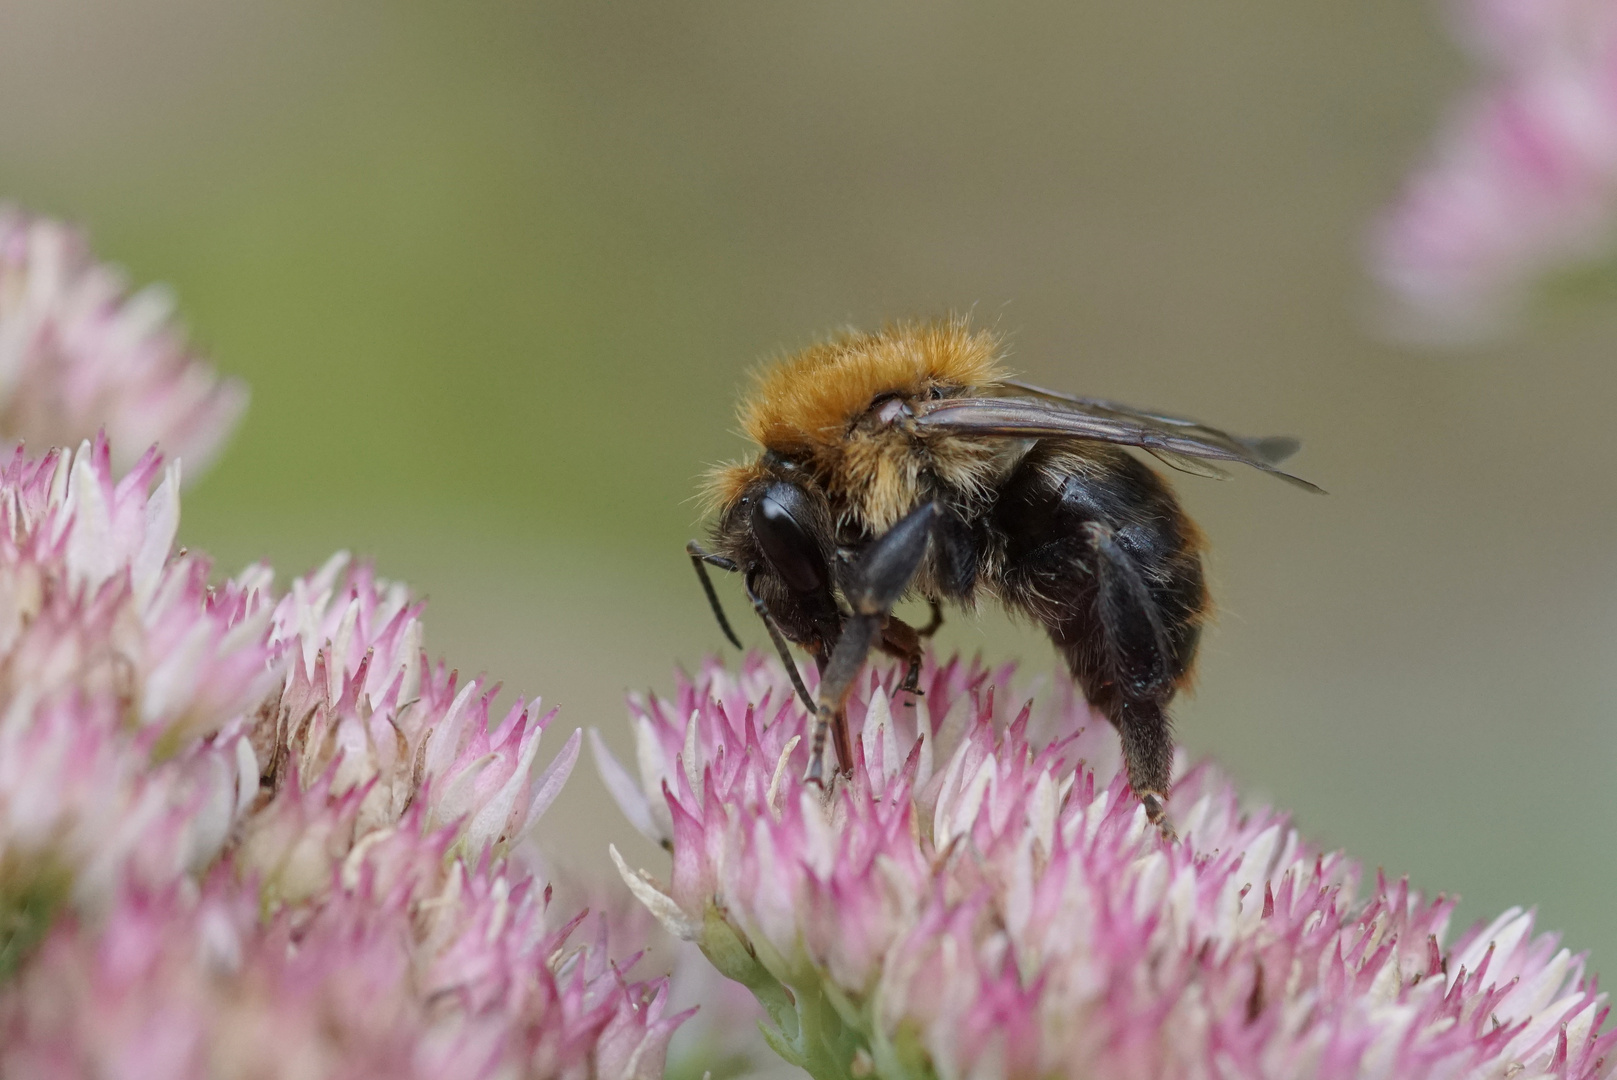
(985,898)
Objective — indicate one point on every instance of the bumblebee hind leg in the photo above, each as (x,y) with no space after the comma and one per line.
(1146,733)
(1137,672)
(1095,548)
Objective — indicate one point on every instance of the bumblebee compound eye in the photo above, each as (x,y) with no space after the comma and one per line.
(778,522)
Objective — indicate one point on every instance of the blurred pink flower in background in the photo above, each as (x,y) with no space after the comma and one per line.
(985,898)
(79,354)
(1522,183)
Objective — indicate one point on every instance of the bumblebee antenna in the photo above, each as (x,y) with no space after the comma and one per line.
(700,559)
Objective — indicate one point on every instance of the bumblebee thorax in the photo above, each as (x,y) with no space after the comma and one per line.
(842,411)
(817,395)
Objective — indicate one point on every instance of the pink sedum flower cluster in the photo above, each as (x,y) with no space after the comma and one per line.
(244,834)
(250,836)
(79,354)
(1522,183)
(124,681)
(721,1035)
(365,726)
(984,898)
(463,977)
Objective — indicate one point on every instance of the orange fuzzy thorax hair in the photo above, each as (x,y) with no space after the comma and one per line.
(807,407)
(807,401)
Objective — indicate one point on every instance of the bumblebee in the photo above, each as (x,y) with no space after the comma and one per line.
(910,462)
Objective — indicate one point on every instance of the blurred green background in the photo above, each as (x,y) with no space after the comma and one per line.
(494,272)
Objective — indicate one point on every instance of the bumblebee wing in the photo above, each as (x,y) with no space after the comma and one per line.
(1017,388)
(1273,448)
(1186,464)
(1030,412)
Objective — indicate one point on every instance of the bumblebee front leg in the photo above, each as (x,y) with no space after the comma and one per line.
(871,588)
(781,648)
(702,560)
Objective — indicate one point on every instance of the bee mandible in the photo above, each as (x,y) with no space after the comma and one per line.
(910,462)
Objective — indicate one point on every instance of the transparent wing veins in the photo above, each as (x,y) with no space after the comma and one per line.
(1022,410)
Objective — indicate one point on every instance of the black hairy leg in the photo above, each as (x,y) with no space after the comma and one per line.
(1136,664)
(871,585)
(1121,656)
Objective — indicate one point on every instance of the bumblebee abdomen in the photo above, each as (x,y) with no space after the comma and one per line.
(1096,548)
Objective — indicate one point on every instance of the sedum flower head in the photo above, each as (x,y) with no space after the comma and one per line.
(1522,183)
(102,603)
(79,354)
(347,806)
(125,681)
(242,834)
(721,1034)
(462,976)
(365,729)
(984,898)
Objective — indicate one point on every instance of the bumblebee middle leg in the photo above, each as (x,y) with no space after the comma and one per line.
(901,640)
